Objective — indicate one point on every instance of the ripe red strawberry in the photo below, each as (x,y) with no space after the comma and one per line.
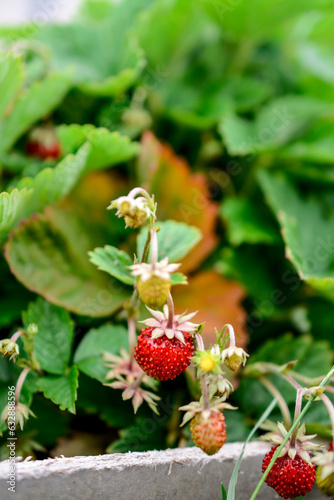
(290,478)
(163,358)
(208,431)
(43,143)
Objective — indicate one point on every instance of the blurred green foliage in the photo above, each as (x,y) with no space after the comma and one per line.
(244,92)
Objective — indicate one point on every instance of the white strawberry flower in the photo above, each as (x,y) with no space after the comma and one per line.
(161,270)
(180,324)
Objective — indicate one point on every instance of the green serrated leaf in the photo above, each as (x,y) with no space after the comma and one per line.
(175,240)
(33,194)
(107,148)
(113,261)
(53,341)
(61,390)
(107,338)
(11,77)
(99,70)
(277,123)
(33,104)
(48,254)
(307,231)
(248,222)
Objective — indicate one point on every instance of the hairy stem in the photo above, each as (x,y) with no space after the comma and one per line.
(17,335)
(19,384)
(232,334)
(132,339)
(200,343)
(154,249)
(205,392)
(146,249)
(292,381)
(170,304)
(137,191)
(298,409)
(281,402)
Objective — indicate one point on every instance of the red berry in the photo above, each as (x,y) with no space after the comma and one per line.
(290,478)
(163,358)
(208,432)
(43,151)
(331,447)
(43,142)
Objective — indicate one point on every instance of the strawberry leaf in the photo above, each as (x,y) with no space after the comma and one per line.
(54,339)
(62,390)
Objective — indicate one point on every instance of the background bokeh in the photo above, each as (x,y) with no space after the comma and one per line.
(224,110)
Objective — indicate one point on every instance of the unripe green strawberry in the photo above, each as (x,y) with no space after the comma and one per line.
(325,471)
(325,484)
(208,431)
(154,291)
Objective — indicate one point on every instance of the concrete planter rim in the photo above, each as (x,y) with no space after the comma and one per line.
(181,473)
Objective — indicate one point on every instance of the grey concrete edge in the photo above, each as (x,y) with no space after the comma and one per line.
(183,473)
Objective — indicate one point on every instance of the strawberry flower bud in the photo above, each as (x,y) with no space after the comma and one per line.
(234,357)
(135,211)
(9,348)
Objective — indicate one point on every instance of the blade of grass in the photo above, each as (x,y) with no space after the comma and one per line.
(223,492)
(234,477)
(295,424)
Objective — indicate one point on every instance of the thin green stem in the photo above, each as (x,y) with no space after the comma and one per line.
(146,249)
(281,402)
(294,425)
(205,392)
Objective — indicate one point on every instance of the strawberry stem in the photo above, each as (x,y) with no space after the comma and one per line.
(298,408)
(232,334)
(205,392)
(154,249)
(170,304)
(132,339)
(19,384)
(139,191)
(200,343)
(17,335)
(280,400)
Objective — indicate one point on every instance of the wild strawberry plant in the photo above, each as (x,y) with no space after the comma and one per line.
(227,119)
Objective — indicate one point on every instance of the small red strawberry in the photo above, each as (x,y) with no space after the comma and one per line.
(293,473)
(165,347)
(163,358)
(208,431)
(207,426)
(43,143)
(290,477)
